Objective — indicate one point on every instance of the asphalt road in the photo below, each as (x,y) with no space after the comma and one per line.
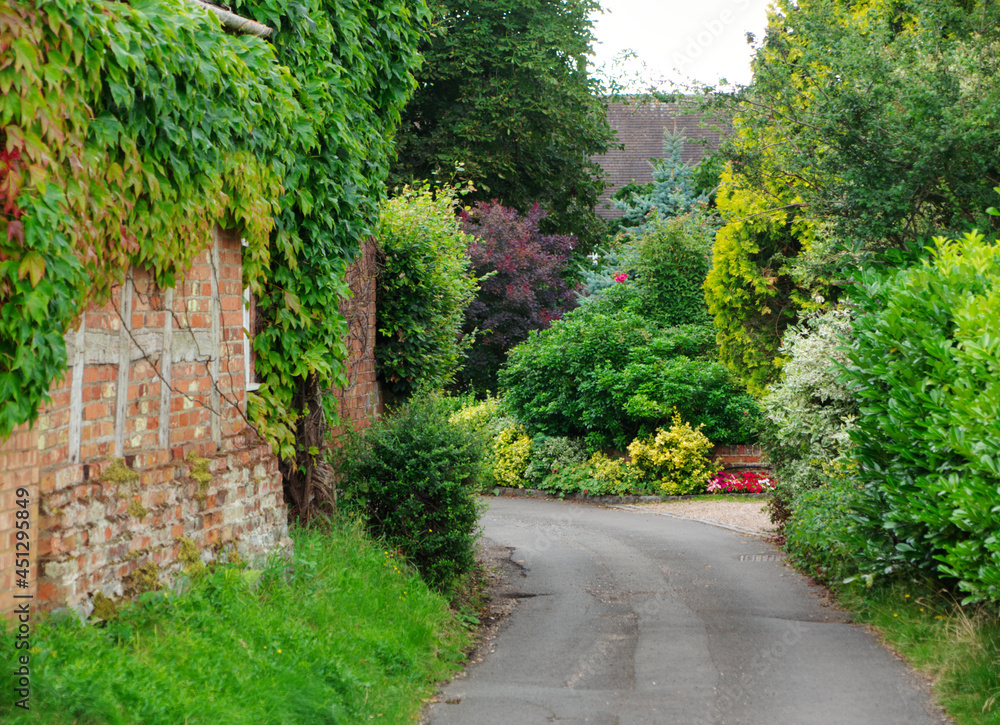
(629,618)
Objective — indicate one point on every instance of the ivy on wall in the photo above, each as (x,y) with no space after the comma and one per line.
(129,131)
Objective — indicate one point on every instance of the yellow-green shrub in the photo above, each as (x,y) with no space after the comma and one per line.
(611,474)
(478,416)
(511,455)
(677,458)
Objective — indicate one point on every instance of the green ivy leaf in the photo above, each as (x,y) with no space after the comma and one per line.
(33,266)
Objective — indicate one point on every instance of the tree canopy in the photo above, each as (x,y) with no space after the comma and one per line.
(504,101)
(869,126)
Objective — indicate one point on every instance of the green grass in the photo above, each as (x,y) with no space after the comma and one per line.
(728,497)
(350,635)
(959,647)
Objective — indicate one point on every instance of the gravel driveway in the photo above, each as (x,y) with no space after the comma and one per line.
(749,515)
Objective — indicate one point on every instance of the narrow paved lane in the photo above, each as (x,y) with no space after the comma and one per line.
(635,618)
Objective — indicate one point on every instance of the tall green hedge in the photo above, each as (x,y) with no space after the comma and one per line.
(424,286)
(925,366)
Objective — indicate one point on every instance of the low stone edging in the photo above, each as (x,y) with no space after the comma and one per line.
(608,500)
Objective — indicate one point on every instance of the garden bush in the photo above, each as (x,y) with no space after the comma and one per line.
(424,286)
(833,532)
(640,345)
(672,260)
(808,412)
(571,478)
(608,376)
(521,286)
(413,478)
(511,454)
(924,365)
(614,477)
(549,455)
(677,458)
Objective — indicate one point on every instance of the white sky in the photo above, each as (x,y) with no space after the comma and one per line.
(680,40)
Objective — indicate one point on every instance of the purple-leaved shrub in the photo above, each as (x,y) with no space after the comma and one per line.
(520,289)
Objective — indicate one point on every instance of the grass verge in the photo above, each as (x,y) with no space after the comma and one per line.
(958,647)
(349,635)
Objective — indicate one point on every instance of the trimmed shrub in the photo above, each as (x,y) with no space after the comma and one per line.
(924,366)
(412,477)
(571,478)
(676,458)
(511,456)
(612,476)
(521,286)
(672,259)
(609,376)
(549,455)
(832,535)
(809,412)
(424,286)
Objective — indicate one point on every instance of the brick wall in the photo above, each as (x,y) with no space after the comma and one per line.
(18,470)
(362,399)
(741,458)
(155,381)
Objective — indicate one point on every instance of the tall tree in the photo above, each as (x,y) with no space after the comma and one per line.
(504,101)
(882,114)
(869,125)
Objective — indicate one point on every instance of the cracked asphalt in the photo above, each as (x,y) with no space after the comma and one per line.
(627,617)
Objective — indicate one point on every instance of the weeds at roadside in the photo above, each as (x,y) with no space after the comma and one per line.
(959,647)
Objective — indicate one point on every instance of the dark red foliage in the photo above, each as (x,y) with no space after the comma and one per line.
(526,291)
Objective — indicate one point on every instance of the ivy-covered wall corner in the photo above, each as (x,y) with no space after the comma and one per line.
(145,440)
(121,302)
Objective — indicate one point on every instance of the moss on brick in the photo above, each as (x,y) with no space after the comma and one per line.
(144,579)
(137,553)
(121,476)
(104,608)
(190,557)
(199,472)
(137,510)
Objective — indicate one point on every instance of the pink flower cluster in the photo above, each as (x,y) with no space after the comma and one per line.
(621,277)
(739,483)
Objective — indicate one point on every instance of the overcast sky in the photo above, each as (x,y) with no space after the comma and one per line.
(681,39)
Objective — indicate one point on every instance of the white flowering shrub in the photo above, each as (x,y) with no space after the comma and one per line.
(808,413)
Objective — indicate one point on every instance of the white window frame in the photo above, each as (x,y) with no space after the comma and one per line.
(248,371)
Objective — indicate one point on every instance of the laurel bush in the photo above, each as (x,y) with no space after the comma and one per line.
(923,364)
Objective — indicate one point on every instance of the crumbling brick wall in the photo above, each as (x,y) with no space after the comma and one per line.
(361,400)
(143,455)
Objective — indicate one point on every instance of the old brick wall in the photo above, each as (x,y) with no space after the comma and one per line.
(155,382)
(18,492)
(361,400)
(740,458)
